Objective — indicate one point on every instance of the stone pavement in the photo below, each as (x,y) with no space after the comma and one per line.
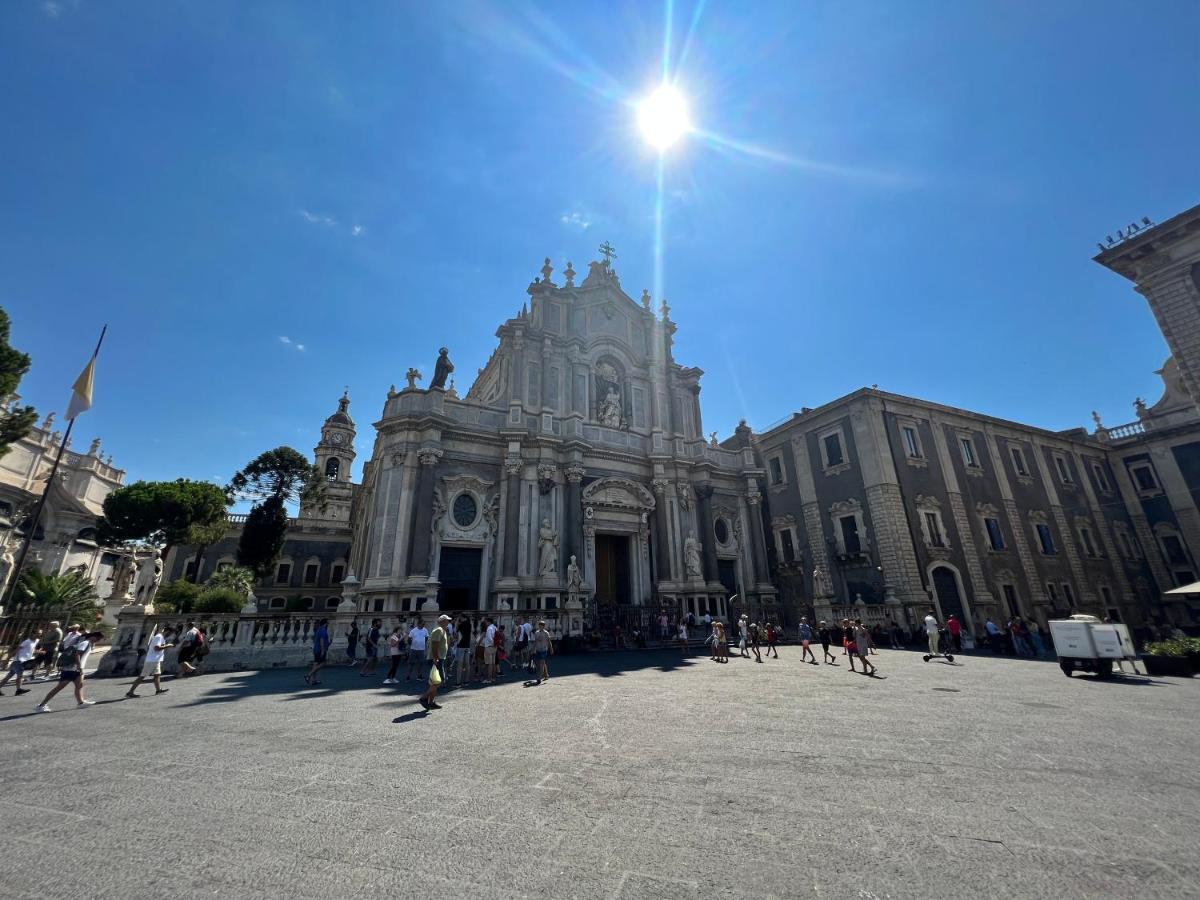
(626,775)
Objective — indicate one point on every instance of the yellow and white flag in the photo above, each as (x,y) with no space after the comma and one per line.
(81,391)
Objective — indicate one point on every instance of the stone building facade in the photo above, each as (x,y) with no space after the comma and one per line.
(65,538)
(575,465)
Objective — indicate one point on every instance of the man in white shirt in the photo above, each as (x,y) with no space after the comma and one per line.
(417,636)
(931,632)
(525,635)
(22,661)
(71,662)
(152,667)
(488,640)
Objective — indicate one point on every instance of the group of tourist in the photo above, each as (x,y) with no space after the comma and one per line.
(855,638)
(1017,636)
(61,655)
(451,651)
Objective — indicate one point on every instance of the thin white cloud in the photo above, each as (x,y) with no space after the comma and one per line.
(357,230)
(284,339)
(576,219)
(318,218)
(52,9)
(300,347)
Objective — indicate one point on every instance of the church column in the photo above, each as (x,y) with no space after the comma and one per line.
(662,543)
(758,539)
(512,510)
(704,494)
(573,520)
(418,560)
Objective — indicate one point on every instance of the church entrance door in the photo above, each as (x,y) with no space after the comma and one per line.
(459,572)
(612,569)
(946,587)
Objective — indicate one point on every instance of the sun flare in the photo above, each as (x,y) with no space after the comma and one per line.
(663,117)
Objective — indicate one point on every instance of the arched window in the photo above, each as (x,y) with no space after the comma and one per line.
(332,468)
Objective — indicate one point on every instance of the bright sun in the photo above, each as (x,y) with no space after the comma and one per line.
(663,117)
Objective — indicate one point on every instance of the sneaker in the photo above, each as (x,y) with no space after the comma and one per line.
(161,691)
(435,706)
(132,696)
(423,702)
(21,691)
(41,707)
(83,703)
(389,681)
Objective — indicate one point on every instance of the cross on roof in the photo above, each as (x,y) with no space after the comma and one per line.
(607,251)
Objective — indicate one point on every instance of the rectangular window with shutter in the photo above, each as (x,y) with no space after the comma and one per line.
(995,535)
(789,551)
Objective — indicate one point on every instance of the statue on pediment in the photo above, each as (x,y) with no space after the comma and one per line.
(441,369)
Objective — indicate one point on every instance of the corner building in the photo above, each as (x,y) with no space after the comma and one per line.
(582,437)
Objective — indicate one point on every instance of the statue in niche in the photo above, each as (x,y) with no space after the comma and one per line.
(122,577)
(691,556)
(7,564)
(547,549)
(609,410)
(822,586)
(574,577)
(435,526)
(441,369)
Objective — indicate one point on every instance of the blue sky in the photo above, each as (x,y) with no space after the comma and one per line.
(908,195)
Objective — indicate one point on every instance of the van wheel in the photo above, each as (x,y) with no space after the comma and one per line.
(1067,668)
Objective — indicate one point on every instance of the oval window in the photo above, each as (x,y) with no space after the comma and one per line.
(722,531)
(465,510)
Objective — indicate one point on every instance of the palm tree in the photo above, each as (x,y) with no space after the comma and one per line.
(234,578)
(71,593)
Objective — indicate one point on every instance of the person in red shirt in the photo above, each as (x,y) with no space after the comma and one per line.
(955,628)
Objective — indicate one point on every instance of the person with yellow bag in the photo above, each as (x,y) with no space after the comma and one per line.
(437,645)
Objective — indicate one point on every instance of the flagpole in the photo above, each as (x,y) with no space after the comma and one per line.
(11,587)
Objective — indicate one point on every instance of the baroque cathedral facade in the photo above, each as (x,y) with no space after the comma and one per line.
(575,471)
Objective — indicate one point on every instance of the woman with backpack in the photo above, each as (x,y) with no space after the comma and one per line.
(189,649)
(71,661)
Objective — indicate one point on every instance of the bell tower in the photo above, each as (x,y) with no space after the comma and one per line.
(334,455)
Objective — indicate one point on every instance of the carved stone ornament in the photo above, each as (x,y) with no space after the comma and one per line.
(513,464)
(684,491)
(574,474)
(754,498)
(659,485)
(845,508)
(546,477)
(429,456)
(929,503)
(617,493)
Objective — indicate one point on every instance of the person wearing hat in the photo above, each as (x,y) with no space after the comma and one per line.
(436,647)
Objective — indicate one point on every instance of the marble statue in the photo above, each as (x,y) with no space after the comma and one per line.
(712,440)
(574,577)
(413,375)
(94,450)
(822,586)
(441,369)
(7,564)
(691,555)
(547,549)
(1139,406)
(122,577)
(149,574)
(610,409)
(1096,419)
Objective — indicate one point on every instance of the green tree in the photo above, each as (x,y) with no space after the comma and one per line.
(262,537)
(234,578)
(273,479)
(72,594)
(219,600)
(15,422)
(178,596)
(170,512)
(281,474)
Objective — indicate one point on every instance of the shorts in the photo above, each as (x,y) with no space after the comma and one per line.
(69,676)
(461,654)
(16,667)
(489,655)
(805,642)
(150,669)
(186,654)
(540,655)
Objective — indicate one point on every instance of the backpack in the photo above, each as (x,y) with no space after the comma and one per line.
(68,658)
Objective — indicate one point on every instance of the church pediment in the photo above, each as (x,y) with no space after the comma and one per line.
(617,493)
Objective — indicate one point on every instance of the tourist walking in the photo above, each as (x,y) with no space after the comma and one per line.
(931,633)
(189,647)
(1017,629)
(682,635)
(543,647)
(893,631)
(71,662)
(436,647)
(754,639)
(865,640)
(772,636)
(826,637)
(371,649)
(320,651)
(955,628)
(152,665)
(721,645)
(849,644)
(462,651)
(47,649)
(488,640)
(806,636)
(743,626)
(664,627)
(862,640)
(352,643)
(22,660)
(501,651)
(417,636)
(1039,646)
(395,647)
(995,635)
